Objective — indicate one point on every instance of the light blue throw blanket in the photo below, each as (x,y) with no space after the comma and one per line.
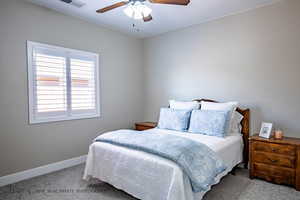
(198,161)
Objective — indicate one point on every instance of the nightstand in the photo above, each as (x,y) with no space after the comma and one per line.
(276,161)
(141,126)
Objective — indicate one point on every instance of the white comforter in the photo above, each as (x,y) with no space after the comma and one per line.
(150,177)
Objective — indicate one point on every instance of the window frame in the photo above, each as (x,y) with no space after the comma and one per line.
(68,114)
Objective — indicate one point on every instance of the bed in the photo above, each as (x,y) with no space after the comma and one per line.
(147,176)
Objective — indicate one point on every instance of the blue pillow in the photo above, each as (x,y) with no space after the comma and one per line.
(174,119)
(209,122)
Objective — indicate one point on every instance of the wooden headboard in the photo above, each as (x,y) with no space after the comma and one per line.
(245,130)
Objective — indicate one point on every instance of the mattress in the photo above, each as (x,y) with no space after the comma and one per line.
(150,177)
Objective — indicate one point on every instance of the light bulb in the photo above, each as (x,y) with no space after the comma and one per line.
(137,10)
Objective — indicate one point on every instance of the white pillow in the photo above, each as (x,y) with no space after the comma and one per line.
(229,106)
(236,127)
(184,105)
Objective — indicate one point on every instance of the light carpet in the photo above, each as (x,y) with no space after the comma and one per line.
(67,184)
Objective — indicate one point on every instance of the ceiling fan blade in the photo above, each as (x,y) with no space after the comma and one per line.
(175,2)
(148,18)
(116,5)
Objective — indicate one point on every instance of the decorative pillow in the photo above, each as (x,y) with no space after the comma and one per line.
(184,105)
(228,107)
(209,122)
(174,119)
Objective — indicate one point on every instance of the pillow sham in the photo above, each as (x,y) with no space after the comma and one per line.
(174,119)
(228,107)
(219,106)
(235,126)
(184,105)
(209,122)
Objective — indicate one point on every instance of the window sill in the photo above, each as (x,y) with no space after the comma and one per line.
(49,120)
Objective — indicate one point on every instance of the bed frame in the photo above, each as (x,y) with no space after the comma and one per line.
(245,130)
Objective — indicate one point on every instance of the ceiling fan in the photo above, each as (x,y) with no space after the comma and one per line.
(136,9)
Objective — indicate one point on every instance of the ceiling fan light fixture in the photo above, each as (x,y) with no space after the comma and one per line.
(137,10)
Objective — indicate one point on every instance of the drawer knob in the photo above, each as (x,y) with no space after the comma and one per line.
(273,161)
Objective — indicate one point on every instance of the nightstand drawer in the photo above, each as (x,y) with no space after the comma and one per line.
(142,128)
(275,148)
(274,174)
(274,159)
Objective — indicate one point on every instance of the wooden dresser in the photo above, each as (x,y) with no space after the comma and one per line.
(277,161)
(141,126)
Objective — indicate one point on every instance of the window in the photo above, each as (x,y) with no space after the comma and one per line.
(63,83)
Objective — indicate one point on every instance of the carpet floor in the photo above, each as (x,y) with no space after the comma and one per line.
(67,184)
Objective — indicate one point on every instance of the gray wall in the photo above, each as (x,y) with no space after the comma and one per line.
(253,58)
(24,146)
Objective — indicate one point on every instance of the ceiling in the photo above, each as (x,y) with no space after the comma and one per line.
(165,17)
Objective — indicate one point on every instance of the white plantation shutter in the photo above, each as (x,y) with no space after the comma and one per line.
(50,86)
(83,85)
(63,83)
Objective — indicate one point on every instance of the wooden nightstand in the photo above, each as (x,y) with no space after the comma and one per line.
(277,161)
(141,126)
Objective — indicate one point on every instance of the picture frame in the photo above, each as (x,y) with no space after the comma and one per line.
(266,129)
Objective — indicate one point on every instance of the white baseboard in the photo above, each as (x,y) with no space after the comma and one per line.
(27,174)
